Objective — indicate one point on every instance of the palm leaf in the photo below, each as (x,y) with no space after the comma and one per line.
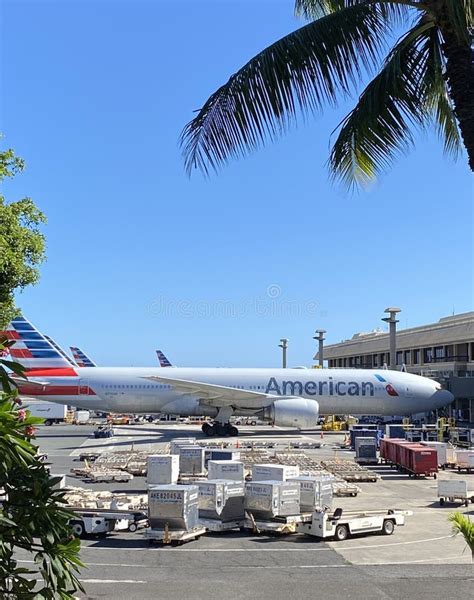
(379,127)
(315,9)
(301,72)
(462,524)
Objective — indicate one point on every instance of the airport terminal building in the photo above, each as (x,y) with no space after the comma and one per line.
(442,350)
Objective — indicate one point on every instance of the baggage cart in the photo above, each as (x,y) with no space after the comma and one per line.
(451,490)
(173,536)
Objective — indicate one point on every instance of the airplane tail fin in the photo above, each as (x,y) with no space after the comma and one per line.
(81,358)
(60,350)
(164,362)
(32,349)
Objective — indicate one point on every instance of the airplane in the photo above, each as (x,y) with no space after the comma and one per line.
(81,357)
(60,350)
(285,397)
(163,360)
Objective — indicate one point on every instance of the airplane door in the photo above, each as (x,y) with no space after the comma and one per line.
(84,387)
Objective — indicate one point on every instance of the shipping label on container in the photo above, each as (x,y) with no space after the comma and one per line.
(289,493)
(235,491)
(166,496)
(259,490)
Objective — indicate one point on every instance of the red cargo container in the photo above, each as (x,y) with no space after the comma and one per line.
(422,461)
(387,448)
(404,455)
(398,450)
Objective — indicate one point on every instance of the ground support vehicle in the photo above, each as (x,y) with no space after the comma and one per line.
(103,521)
(51,412)
(104,431)
(450,490)
(173,536)
(341,524)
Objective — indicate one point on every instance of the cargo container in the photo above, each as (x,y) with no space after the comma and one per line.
(315,492)
(173,507)
(420,460)
(178,442)
(271,472)
(225,469)
(465,460)
(450,490)
(366,450)
(270,499)
(224,454)
(364,433)
(191,460)
(222,500)
(162,469)
(387,449)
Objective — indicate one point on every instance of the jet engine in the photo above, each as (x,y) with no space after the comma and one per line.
(293,412)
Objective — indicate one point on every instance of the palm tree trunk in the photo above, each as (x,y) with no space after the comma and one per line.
(460,80)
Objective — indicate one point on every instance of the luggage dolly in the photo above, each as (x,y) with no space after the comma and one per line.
(217,526)
(279,525)
(173,536)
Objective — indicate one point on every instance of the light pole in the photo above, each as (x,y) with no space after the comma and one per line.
(320,338)
(284,347)
(392,320)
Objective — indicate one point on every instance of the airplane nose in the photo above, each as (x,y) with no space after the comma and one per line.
(442,397)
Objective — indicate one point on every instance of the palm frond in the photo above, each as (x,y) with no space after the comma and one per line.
(301,72)
(396,10)
(462,524)
(439,104)
(379,128)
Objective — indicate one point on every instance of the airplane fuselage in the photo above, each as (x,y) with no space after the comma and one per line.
(337,391)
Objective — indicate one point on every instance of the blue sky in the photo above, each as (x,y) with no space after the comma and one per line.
(213,271)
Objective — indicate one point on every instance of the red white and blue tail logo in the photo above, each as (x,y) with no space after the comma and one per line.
(164,362)
(81,358)
(32,349)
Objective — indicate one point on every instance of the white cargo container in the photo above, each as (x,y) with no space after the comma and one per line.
(465,459)
(225,469)
(222,500)
(315,491)
(191,460)
(49,411)
(271,472)
(162,469)
(446,452)
(270,499)
(82,416)
(455,489)
(176,444)
(173,506)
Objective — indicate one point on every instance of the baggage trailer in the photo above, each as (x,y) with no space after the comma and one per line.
(103,521)
(278,525)
(173,536)
(341,524)
(465,460)
(450,490)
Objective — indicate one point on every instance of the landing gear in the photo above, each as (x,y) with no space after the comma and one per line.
(220,429)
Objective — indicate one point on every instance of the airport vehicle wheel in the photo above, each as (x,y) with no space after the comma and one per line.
(48,422)
(132,527)
(341,533)
(388,527)
(466,502)
(233,431)
(207,429)
(78,528)
(441,501)
(435,476)
(253,423)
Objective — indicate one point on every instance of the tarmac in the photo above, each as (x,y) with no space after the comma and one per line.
(421,560)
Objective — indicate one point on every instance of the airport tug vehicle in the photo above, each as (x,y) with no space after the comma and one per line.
(340,524)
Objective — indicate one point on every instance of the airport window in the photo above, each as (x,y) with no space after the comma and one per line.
(406,357)
(399,357)
(416,357)
(375,360)
(439,352)
(427,355)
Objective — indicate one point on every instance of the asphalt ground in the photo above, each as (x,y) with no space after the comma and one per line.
(421,560)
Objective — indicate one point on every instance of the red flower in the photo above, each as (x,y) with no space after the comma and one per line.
(21,415)
(30,430)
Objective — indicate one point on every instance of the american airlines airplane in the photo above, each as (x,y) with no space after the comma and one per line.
(81,358)
(285,397)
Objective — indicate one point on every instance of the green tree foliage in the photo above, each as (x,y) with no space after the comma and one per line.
(22,245)
(425,79)
(33,516)
(462,524)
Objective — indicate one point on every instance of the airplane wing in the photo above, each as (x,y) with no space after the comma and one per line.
(217,395)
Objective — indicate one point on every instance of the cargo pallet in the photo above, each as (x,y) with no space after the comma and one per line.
(280,525)
(173,536)
(217,526)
